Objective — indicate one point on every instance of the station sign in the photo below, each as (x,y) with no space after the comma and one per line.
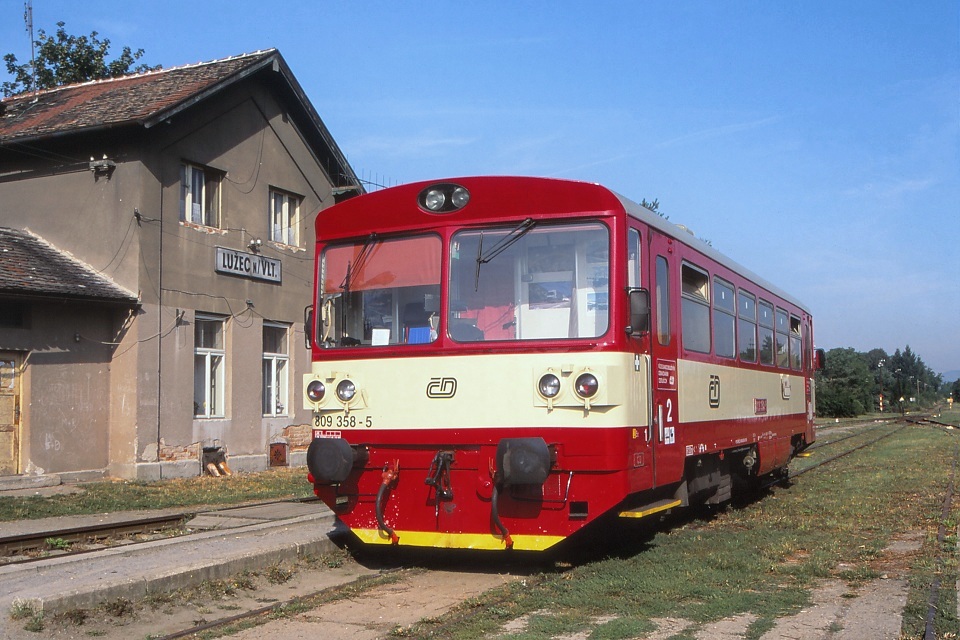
(248,265)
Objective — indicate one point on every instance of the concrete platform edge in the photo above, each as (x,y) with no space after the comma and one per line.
(187,577)
(250,548)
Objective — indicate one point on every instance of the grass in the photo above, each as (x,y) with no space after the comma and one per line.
(762,558)
(98,497)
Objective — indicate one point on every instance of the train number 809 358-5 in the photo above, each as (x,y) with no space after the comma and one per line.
(341,420)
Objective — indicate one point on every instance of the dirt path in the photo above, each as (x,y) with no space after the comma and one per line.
(379,612)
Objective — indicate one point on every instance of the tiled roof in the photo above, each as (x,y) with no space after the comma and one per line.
(30,266)
(118,101)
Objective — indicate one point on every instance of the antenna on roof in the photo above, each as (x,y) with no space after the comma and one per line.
(28,19)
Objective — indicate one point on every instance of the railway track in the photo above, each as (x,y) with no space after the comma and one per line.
(72,540)
(438,628)
(65,538)
(321,599)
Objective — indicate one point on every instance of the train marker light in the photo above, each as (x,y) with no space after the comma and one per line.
(315,391)
(346,390)
(587,385)
(549,386)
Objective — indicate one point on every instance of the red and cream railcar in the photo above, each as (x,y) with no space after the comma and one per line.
(497,362)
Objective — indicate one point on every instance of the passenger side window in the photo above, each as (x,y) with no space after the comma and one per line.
(663,301)
(724,325)
(633,259)
(695,308)
(767,349)
(747,326)
(783,353)
(795,342)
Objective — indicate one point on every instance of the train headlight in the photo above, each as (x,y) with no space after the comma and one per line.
(549,385)
(346,390)
(460,197)
(434,200)
(587,385)
(443,198)
(316,391)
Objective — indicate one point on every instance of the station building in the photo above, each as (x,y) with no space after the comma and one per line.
(156,256)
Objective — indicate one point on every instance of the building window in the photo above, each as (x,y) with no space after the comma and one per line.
(276,361)
(208,367)
(200,195)
(284,217)
(13,315)
(695,308)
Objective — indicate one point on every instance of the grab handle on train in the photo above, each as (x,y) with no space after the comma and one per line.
(391,472)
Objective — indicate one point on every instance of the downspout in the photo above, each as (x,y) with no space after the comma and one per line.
(160,328)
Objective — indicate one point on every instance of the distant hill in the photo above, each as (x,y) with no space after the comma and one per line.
(950,376)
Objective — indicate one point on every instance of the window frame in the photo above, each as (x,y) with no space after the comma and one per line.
(275,388)
(288,234)
(213,403)
(766,329)
(747,325)
(664,330)
(210,195)
(724,317)
(782,328)
(634,257)
(692,327)
(796,343)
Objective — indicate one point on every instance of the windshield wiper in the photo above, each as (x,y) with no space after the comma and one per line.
(505,243)
(352,270)
(365,252)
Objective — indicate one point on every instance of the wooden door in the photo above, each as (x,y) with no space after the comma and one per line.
(9,413)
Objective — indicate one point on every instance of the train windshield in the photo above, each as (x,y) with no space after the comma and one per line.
(532,281)
(381,292)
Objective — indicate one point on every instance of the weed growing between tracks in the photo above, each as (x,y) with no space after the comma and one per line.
(761,557)
(210,600)
(99,497)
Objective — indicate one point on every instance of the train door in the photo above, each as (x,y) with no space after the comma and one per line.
(641,438)
(9,413)
(664,348)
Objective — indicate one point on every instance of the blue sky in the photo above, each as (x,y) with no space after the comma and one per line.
(815,142)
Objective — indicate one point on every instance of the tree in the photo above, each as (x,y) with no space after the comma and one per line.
(844,386)
(65,59)
(654,206)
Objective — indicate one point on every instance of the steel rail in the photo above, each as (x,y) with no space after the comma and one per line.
(794,474)
(20,543)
